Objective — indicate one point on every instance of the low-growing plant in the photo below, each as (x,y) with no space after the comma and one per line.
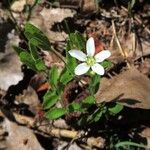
(76,50)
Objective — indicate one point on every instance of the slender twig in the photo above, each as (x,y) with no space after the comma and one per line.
(56,132)
(31,9)
(123,53)
(117,40)
(133,38)
(15,22)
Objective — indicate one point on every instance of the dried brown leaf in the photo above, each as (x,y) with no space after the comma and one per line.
(20,138)
(131,88)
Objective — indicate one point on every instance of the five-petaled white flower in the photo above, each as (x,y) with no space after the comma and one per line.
(90,60)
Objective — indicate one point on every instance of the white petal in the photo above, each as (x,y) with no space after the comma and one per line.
(101,56)
(90,47)
(77,54)
(81,69)
(98,69)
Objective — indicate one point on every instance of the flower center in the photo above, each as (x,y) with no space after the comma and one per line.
(90,61)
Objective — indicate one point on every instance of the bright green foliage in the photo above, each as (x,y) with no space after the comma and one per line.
(36,37)
(33,51)
(40,65)
(74,107)
(101,111)
(50,99)
(75,41)
(55,113)
(97,114)
(94,84)
(106,64)
(53,77)
(18,49)
(88,101)
(82,106)
(26,58)
(29,60)
(66,76)
(32,58)
(116,109)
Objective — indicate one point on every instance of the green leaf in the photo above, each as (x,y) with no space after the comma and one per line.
(56,113)
(88,101)
(82,121)
(74,107)
(53,76)
(80,41)
(98,115)
(66,76)
(94,84)
(19,49)
(40,65)
(106,64)
(76,40)
(50,99)
(116,109)
(41,42)
(31,29)
(36,37)
(71,62)
(33,51)
(26,58)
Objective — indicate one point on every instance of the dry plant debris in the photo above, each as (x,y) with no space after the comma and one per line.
(130,88)
(126,32)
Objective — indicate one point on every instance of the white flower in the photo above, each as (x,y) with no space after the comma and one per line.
(90,60)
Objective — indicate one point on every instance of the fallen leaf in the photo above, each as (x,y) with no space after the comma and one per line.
(88,6)
(20,137)
(10,65)
(130,88)
(18,5)
(48,17)
(30,98)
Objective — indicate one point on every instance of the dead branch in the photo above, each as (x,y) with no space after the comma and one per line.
(56,132)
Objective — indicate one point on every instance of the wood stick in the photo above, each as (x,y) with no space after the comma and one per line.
(56,132)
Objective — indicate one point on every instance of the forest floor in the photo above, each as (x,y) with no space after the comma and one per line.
(121,26)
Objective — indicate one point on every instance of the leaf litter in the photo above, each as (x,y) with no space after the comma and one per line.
(128,86)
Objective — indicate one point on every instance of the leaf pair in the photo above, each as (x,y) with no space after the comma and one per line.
(36,39)
(56,113)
